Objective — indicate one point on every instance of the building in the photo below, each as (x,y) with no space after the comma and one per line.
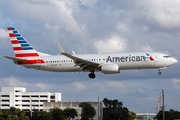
(18,97)
(62,105)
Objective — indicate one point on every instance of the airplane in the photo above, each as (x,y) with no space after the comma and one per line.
(27,56)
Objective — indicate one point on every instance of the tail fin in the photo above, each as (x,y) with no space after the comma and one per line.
(22,49)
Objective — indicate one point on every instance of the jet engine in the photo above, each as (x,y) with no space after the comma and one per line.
(110,69)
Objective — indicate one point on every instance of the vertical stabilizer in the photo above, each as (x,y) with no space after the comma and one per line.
(20,46)
(22,49)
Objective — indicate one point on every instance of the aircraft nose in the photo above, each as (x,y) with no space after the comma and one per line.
(173,61)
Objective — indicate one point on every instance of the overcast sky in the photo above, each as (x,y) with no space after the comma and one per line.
(92,26)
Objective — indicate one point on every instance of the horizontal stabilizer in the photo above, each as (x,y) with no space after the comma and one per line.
(14,59)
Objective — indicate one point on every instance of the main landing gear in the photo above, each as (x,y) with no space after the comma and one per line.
(92,75)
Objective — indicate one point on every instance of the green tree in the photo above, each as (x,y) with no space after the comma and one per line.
(124,113)
(120,104)
(6,112)
(58,114)
(115,103)
(26,118)
(15,117)
(87,111)
(17,111)
(110,104)
(9,117)
(1,113)
(114,110)
(22,114)
(43,115)
(169,115)
(12,109)
(132,115)
(105,102)
(70,113)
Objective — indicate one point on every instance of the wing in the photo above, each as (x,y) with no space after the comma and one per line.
(83,63)
(14,59)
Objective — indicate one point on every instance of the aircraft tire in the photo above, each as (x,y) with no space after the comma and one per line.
(159,73)
(92,75)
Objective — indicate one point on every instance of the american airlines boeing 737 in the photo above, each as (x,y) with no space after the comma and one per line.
(27,56)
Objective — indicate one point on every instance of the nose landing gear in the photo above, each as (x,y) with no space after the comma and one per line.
(159,73)
(92,75)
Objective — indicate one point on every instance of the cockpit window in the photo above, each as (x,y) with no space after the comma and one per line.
(166,56)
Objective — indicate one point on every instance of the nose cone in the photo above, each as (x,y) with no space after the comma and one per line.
(173,61)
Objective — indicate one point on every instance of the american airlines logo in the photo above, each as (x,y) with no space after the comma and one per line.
(126,58)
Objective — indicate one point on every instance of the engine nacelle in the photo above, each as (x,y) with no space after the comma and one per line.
(110,69)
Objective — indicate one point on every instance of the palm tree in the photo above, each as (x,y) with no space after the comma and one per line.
(110,104)
(105,102)
(17,111)
(1,112)
(120,104)
(115,103)
(22,114)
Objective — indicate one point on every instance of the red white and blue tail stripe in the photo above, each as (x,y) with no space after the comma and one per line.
(22,48)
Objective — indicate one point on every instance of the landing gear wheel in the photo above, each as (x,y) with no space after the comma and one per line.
(92,75)
(159,73)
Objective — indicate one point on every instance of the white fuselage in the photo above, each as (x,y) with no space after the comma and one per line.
(125,61)
(27,56)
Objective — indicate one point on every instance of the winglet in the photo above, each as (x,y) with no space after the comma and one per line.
(73,52)
(61,48)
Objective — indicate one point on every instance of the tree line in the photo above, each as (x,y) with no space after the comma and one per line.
(13,114)
(113,110)
(169,115)
(54,113)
